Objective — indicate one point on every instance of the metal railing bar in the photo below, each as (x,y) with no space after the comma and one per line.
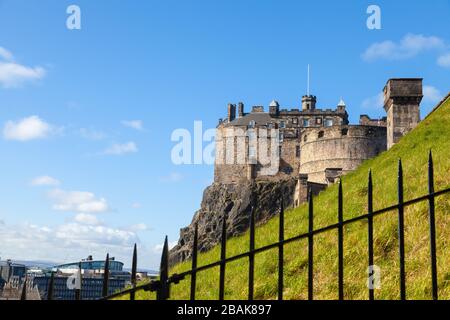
(177,277)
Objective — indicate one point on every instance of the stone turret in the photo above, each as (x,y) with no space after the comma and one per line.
(402,98)
(309,102)
(274,108)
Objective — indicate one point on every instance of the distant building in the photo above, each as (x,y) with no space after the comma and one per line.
(10,270)
(12,282)
(92,272)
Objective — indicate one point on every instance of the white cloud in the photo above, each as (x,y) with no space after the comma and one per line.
(45,181)
(134,124)
(431,94)
(159,247)
(374,103)
(13,74)
(120,149)
(77,201)
(408,47)
(88,219)
(72,241)
(26,129)
(92,134)
(172,177)
(444,60)
(6,55)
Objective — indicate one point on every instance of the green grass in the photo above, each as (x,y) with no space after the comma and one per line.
(433,133)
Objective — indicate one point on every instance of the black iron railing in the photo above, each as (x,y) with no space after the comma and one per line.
(162,285)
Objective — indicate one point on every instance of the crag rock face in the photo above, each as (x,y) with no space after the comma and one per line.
(234,200)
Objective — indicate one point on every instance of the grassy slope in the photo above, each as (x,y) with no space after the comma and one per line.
(433,133)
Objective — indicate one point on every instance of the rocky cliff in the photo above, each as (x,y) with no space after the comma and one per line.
(235,200)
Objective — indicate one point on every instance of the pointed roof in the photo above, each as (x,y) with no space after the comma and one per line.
(274,103)
(341,103)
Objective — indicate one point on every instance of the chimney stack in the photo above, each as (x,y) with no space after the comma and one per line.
(240,109)
(231,112)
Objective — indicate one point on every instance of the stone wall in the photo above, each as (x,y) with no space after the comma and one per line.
(303,187)
(365,120)
(339,147)
(402,98)
(235,160)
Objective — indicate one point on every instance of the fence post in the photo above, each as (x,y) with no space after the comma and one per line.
(310,247)
(432,222)
(50,286)
(194,263)
(133,273)
(251,264)
(281,252)
(163,292)
(401,231)
(223,253)
(370,232)
(80,282)
(23,295)
(106,277)
(340,243)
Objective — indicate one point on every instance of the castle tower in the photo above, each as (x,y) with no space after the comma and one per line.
(402,98)
(341,105)
(274,108)
(308,102)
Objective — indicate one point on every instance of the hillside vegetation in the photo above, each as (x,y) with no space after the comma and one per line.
(432,133)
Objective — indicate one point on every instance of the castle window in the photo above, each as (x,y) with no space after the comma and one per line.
(252,124)
(294,121)
(306,122)
(282,124)
(297,151)
(281,136)
(318,120)
(328,122)
(344,132)
(321,134)
(269,125)
(305,138)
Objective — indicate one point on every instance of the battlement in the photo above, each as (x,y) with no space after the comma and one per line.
(403,88)
(365,120)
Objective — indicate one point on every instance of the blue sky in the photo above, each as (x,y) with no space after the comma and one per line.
(86,115)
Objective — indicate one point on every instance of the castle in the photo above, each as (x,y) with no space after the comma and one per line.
(315,146)
(262,155)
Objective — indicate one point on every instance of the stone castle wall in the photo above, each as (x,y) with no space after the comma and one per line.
(235,163)
(341,148)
